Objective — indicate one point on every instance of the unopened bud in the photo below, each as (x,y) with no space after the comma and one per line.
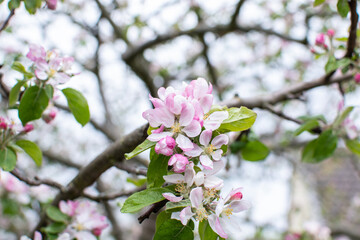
(357,78)
(28,128)
(51,4)
(3,125)
(331,33)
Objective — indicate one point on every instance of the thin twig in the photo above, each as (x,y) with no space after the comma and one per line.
(7,20)
(153,209)
(281,114)
(236,12)
(101,198)
(37,181)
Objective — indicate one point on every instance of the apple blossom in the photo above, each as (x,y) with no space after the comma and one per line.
(165,146)
(179,162)
(357,77)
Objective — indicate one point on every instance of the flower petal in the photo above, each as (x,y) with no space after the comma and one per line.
(195,152)
(199,179)
(185,215)
(213,182)
(239,205)
(189,174)
(206,162)
(187,114)
(184,143)
(174,178)
(206,102)
(216,226)
(155,137)
(217,155)
(196,197)
(205,137)
(193,129)
(215,119)
(220,140)
(171,197)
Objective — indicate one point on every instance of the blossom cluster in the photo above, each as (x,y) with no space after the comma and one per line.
(185,128)
(9,130)
(86,222)
(49,67)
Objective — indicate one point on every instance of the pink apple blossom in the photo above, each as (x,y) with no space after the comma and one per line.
(178,162)
(357,77)
(208,151)
(172,198)
(165,146)
(51,4)
(36,53)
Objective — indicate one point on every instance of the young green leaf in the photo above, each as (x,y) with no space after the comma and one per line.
(161,218)
(239,119)
(139,200)
(171,206)
(56,215)
(331,64)
(17,66)
(255,151)
(32,104)
(78,105)
(343,116)
(54,228)
(32,150)
(173,229)
(136,182)
(353,145)
(343,8)
(140,148)
(7,159)
(206,232)
(307,126)
(32,5)
(321,148)
(49,91)
(13,4)
(14,93)
(157,169)
(318,2)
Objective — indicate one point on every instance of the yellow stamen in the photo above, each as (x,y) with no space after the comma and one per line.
(52,72)
(181,188)
(228,211)
(201,214)
(176,128)
(209,149)
(79,227)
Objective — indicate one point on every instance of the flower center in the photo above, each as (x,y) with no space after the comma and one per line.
(210,149)
(79,227)
(206,116)
(210,194)
(181,188)
(228,211)
(201,214)
(52,72)
(176,128)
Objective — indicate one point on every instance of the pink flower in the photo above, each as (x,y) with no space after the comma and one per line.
(3,125)
(68,207)
(28,127)
(51,4)
(331,33)
(36,53)
(208,151)
(51,71)
(320,40)
(172,198)
(357,77)
(179,162)
(165,146)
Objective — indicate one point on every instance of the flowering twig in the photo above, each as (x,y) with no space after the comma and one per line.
(7,20)
(281,114)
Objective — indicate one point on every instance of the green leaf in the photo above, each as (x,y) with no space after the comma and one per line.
(136,181)
(343,8)
(49,91)
(174,230)
(331,64)
(318,2)
(56,215)
(139,200)
(206,232)
(353,145)
(14,93)
(342,116)
(171,206)
(32,150)
(239,119)
(32,5)
(7,159)
(161,218)
(321,148)
(342,39)
(56,227)
(32,104)
(139,149)
(307,126)
(17,66)
(78,105)
(9,206)
(255,151)
(14,4)
(157,169)
(236,146)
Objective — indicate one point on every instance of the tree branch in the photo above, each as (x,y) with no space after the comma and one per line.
(104,197)
(354,17)
(7,20)
(236,12)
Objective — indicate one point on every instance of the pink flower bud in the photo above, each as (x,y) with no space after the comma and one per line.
(165,146)
(331,33)
(49,116)
(28,128)
(51,4)
(320,39)
(3,125)
(357,78)
(236,194)
(179,162)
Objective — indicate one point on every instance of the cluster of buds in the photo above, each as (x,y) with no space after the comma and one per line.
(9,130)
(185,129)
(320,40)
(49,67)
(86,221)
